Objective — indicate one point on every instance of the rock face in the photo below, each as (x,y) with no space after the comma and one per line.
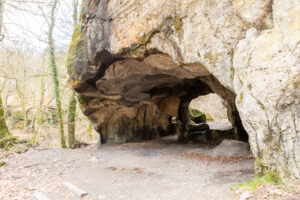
(135,63)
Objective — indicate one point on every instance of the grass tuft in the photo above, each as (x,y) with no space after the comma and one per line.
(2,163)
(253,184)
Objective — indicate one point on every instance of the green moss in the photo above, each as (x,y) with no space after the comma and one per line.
(13,144)
(172,25)
(143,41)
(2,163)
(263,171)
(77,46)
(168,31)
(72,122)
(19,148)
(241,97)
(168,27)
(138,49)
(253,184)
(3,126)
(195,113)
(178,25)
(232,72)
(209,117)
(249,86)
(212,58)
(85,100)
(8,142)
(261,104)
(90,130)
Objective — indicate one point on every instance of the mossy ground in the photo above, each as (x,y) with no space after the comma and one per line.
(14,144)
(253,184)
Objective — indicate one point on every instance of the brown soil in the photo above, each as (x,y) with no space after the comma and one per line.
(159,169)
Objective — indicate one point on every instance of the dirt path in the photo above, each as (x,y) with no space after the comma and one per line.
(158,169)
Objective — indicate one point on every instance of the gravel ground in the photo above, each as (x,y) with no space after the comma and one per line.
(159,169)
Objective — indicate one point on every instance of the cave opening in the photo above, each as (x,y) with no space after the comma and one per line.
(143,99)
(191,120)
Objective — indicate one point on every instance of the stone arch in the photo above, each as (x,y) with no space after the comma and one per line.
(251,55)
(137,97)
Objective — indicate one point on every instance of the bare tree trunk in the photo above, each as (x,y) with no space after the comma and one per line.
(73,101)
(1,13)
(21,95)
(53,67)
(41,112)
(72,122)
(3,126)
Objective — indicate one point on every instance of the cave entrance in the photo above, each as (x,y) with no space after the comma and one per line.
(137,98)
(202,110)
(206,120)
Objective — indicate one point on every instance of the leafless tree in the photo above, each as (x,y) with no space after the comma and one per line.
(3,126)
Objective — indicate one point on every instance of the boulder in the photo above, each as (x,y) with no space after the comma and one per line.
(232,148)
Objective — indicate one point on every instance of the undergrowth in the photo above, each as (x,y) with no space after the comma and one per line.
(253,184)
(13,144)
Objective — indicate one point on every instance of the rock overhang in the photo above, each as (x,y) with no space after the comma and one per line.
(249,48)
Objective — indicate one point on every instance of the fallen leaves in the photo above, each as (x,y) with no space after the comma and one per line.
(221,159)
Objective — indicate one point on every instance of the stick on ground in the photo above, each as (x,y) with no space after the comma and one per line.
(74,189)
(40,196)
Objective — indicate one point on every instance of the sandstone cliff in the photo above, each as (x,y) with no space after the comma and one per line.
(135,63)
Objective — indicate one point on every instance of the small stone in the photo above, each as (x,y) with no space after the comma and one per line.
(245,195)
(74,189)
(232,148)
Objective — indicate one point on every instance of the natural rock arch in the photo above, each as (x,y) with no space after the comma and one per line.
(246,51)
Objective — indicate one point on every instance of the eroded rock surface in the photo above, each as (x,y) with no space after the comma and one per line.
(135,63)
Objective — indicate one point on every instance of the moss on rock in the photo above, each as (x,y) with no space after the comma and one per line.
(77,48)
(178,25)
(84,100)
(14,144)
(212,57)
(209,117)
(253,184)
(196,115)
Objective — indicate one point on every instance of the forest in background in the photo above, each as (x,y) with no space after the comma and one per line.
(39,104)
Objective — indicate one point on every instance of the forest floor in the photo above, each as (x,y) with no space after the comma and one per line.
(158,169)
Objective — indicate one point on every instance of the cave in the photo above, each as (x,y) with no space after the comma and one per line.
(135,99)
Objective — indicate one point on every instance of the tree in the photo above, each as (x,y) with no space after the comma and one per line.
(3,126)
(1,14)
(53,67)
(72,101)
